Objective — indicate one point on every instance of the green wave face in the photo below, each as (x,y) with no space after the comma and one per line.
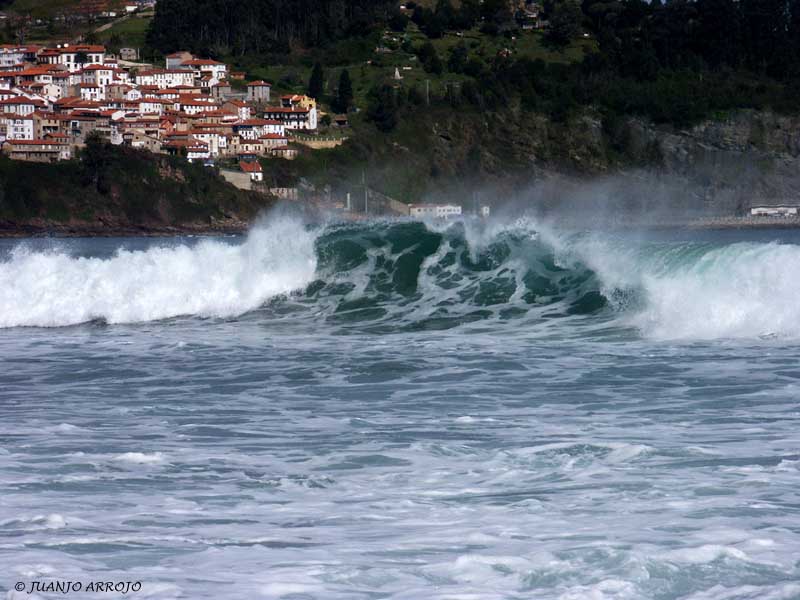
(417,277)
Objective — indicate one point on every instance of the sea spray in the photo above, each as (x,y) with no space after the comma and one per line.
(210,279)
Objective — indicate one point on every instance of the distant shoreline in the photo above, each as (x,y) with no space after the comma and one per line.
(76,231)
(746,223)
(239,228)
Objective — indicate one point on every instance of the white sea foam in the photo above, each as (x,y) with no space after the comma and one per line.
(695,291)
(141,458)
(211,279)
(739,291)
(704,554)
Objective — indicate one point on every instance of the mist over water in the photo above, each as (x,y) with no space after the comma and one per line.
(497,409)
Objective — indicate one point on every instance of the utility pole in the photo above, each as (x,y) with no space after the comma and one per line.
(428,92)
(366,195)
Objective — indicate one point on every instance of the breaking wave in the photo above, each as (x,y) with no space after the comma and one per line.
(401,275)
(210,279)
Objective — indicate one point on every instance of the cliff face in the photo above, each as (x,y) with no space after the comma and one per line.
(719,167)
(743,159)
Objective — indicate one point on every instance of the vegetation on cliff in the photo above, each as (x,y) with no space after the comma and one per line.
(119,189)
(480,96)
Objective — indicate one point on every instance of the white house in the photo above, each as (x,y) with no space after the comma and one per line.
(252,129)
(258,92)
(19,128)
(252,168)
(193,105)
(293,118)
(175,59)
(205,66)
(99,75)
(11,56)
(215,141)
(434,211)
(774,211)
(20,105)
(165,78)
(151,106)
(74,57)
(91,92)
(197,151)
(242,109)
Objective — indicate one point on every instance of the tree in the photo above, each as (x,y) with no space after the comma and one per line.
(261,26)
(468,14)
(317,82)
(344,94)
(430,59)
(81,57)
(458,58)
(95,161)
(565,23)
(398,22)
(415,96)
(382,108)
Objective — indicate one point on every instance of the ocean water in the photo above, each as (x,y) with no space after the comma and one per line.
(496,410)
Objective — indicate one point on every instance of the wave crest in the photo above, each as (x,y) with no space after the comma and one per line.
(406,276)
(210,279)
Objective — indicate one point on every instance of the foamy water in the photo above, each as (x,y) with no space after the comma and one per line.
(311,413)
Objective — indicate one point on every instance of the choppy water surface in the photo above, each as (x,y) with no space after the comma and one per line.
(396,410)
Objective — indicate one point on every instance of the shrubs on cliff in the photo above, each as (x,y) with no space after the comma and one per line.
(124,187)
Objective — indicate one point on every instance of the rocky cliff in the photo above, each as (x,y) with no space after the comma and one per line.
(721,166)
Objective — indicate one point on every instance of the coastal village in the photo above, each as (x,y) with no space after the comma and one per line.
(52,98)
(56,96)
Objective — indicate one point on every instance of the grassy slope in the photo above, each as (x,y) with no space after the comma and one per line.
(129,33)
(293,78)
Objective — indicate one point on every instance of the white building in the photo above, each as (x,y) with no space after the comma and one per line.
(252,168)
(20,105)
(151,106)
(19,128)
(258,91)
(193,105)
(774,211)
(91,92)
(11,56)
(175,59)
(434,211)
(74,57)
(253,129)
(165,78)
(205,66)
(98,75)
(215,141)
(293,118)
(242,109)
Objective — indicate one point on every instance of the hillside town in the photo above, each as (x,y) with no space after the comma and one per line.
(53,98)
